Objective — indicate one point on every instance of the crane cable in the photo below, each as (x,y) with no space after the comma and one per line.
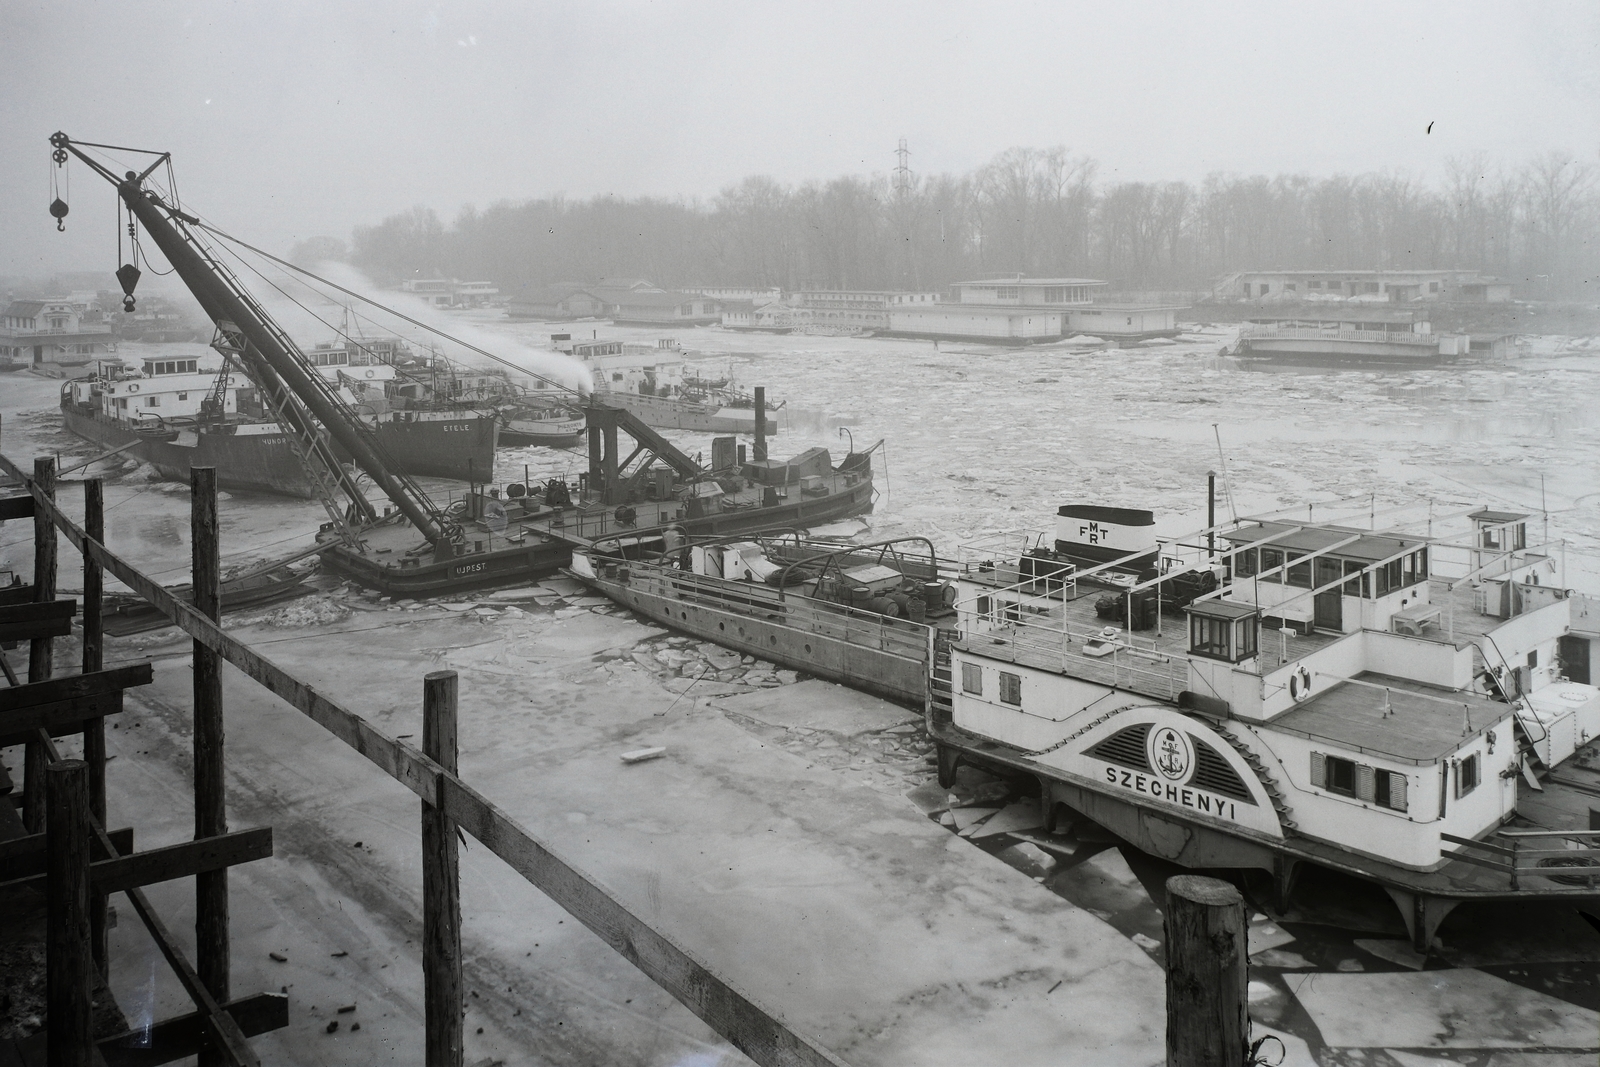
(383,307)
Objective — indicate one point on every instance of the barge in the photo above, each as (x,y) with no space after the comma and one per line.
(1349,336)
(1409,709)
(866,616)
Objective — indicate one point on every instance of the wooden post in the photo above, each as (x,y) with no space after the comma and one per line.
(40,649)
(67,952)
(94,733)
(441,889)
(1208,1015)
(759,454)
(210,808)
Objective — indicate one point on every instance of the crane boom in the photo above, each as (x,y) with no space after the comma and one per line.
(269,352)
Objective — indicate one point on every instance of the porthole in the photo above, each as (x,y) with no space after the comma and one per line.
(808,648)
(773,638)
(722,626)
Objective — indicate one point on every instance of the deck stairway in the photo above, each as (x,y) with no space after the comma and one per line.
(941,703)
(1268,782)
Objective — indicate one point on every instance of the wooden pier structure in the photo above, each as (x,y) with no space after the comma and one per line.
(61,843)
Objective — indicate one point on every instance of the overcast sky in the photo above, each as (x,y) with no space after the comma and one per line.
(290,119)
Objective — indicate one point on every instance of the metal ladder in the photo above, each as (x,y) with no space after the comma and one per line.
(316,456)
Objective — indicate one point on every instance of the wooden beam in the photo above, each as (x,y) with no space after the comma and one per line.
(42,487)
(68,959)
(210,788)
(749,1026)
(22,856)
(16,507)
(75,686)
(24,622)
(444,1030)
(94,730)
(184,1035)
(60,718)
(16,594)
(182,860)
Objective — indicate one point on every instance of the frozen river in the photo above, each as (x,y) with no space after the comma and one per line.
(978,439)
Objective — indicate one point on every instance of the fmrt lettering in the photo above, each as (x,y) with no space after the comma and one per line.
(1091,533)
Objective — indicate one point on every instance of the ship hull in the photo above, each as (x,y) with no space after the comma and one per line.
(462,448)
(539,558)
(1333,350)
(793,632)
(251,463)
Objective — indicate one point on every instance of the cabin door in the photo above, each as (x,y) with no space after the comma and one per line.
(1328,608)
(1574,653)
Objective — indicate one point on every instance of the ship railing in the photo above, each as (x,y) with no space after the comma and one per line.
(1111,656)
(841,622)
(1567,857)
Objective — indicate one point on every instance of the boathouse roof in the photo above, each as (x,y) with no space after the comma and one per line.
(1314,538)
(1421,723)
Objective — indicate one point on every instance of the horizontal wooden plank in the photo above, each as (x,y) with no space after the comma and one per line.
(74,686)
(26,855)
(176,1038)
(50,609)
(15,507)
(16,594)
(61,718)
(752,1029)
(183,860)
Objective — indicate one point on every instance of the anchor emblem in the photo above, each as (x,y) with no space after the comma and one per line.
(1170,752)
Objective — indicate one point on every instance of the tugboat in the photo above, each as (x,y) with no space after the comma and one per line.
(653,382)
(1412,710)
(865,616)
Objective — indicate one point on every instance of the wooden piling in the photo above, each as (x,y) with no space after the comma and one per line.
(210,807)
(759,454)
(441,888)
(40,649)
(68,958)
(1208,1016)
(94,733)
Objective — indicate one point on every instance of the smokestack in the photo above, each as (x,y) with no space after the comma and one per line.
(1211,513)
(761,423)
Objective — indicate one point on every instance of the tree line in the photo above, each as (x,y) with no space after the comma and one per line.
(1033,211)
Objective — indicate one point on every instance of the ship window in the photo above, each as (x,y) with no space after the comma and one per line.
(152,401)
(1467,775)
(985,607)
(1421,556)
(183,396)
(122,403)
(1208,637)
(1245,562)
(1007,292)
(1313,285)
(1390,790)
(1299,573)
(1341,776)
(972,679)
(1271,560)
(1010,688)
(1355,581)
(1373,287)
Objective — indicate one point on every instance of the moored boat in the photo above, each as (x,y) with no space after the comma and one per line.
(1409,708)
(654,383)
(865,616)
(1349,336)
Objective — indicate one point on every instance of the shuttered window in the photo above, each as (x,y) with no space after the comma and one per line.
(1010,688)
(1387,789)
(1466,776)
(972,679)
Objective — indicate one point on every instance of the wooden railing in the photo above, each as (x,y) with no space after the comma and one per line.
(449,802)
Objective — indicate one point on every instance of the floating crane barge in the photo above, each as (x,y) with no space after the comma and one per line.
(1412,710)
(638,501)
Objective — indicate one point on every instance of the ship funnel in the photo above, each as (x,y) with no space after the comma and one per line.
(1091,535)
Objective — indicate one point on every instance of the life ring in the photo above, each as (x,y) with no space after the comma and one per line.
(133,388)
(1300,685)
(372,374)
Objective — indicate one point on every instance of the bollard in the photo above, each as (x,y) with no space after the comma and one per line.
(441,886)
(1208,1015)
